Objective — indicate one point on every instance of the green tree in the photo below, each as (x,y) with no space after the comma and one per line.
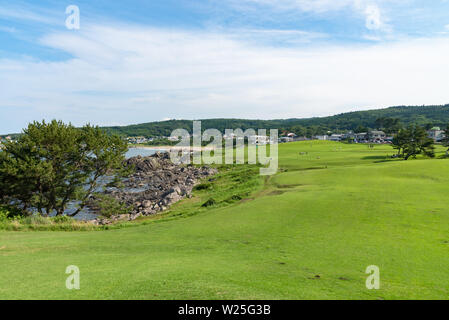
(53,164)
(389,125)
(299,130)
(413,141)
(361,129)
(400,140)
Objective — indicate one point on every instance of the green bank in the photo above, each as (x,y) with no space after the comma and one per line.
(308,232)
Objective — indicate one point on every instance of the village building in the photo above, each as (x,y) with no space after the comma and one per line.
(260,140)
(336,137)
(436,134)
(285,139)
(361,137)
(137,140)
(173,139)
(376,136)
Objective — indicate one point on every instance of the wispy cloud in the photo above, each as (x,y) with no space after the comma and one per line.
(155,73)
(369,9)
(28,13)
(275,36)
(250,69)
(373,18)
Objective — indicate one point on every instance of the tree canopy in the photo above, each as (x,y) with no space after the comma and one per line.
(413,141)
(390,120)
(53,164)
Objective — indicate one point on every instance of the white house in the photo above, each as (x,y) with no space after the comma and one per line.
(285,139)
(336,137)
(377,136)
(436,134)
(260,140)
(361,137)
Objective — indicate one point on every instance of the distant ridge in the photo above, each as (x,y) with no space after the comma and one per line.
(428,116)
(422,115)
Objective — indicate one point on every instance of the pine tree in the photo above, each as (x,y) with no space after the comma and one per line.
(413,141)
(53,164)
(418,143)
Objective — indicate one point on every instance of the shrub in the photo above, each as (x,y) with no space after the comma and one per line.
(3,214)
(35,220)
(109,206)
(209,203)
(234,198)
(203,186)
(62,219)
(7,213)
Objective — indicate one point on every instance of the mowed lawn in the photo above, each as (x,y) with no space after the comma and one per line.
(309,234)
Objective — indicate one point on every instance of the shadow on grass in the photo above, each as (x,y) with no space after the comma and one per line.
(380,159)
(375,158)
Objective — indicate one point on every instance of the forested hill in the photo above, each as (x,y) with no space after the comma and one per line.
(427,116)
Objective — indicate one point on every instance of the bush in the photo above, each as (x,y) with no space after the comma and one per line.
(62,219)
(8,213)
(36,220)
(209,203)
(3,214)
(234,198)
(202,186)
(109,206)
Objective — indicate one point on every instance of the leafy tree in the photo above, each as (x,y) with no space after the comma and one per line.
(361,129)
(53,164)
(389,125)
(428,126)
(299,130)
(413,141)
(109,206)
(400,140)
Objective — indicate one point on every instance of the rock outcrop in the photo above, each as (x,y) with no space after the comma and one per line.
(156,184)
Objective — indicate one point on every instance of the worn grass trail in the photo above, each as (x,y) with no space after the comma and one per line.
(307,233)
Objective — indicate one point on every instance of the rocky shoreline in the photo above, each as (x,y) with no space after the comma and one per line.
(155,185)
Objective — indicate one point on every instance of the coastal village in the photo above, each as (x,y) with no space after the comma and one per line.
(371,136)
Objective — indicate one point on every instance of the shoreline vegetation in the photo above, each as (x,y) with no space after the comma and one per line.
(55,172)
(232,183)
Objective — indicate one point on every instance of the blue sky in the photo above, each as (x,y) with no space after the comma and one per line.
(139,61)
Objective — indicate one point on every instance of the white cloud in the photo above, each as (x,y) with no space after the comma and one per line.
(371,37)
(284,36)
(369,9)
(28,14)
(135,75)
(305,5)
(373,19)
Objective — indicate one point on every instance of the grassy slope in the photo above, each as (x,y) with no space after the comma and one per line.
(355,209)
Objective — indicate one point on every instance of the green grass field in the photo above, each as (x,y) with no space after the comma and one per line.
(308,232)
